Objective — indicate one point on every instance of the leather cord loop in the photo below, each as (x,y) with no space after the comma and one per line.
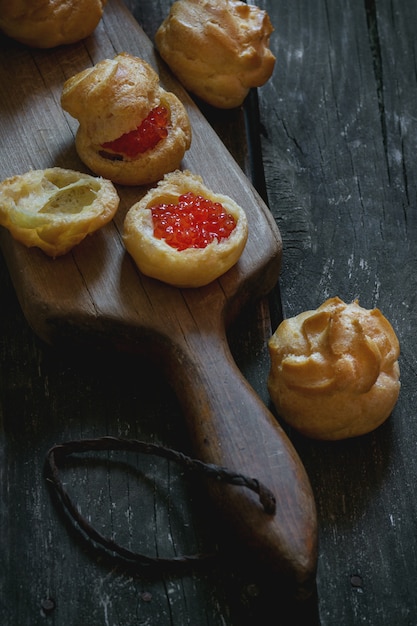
(57,455)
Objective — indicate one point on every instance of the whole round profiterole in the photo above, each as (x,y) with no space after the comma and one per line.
(187,265)
(334,370)
(218,49)
(50,23)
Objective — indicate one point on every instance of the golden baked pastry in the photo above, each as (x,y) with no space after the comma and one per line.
(334,371)
(184,234)
(54,209)
(131,130)
(218,49)
(49,23)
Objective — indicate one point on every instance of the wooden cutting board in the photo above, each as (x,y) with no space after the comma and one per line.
(95,293)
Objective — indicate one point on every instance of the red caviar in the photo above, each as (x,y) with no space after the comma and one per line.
(145,137)
(192,223)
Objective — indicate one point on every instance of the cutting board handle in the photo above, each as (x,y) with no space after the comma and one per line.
(230,426)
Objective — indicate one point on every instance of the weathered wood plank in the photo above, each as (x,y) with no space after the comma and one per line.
(339,143)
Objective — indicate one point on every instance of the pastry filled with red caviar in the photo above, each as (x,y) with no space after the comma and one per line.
(218,49)
(184,234)
(334,370)
(55,209)
(131,130)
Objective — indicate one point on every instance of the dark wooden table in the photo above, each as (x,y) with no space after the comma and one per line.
(330,142)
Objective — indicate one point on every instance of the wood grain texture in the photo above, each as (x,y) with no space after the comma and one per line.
(97,293)
(338,135)
(55,300)
(339,138)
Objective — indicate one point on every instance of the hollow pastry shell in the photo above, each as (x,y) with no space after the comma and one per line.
(55,209)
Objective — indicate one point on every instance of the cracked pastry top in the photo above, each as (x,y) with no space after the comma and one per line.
(334,371)
(218,49)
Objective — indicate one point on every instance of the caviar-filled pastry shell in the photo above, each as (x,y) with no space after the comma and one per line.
(218,49)
(334,371)
(55,209)
(131,130)
(184,234)
(49,23)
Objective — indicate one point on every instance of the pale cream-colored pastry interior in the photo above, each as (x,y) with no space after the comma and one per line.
(334,370)
(192,267)
(112,99)
(50,23)
(218,49)
(55,209)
